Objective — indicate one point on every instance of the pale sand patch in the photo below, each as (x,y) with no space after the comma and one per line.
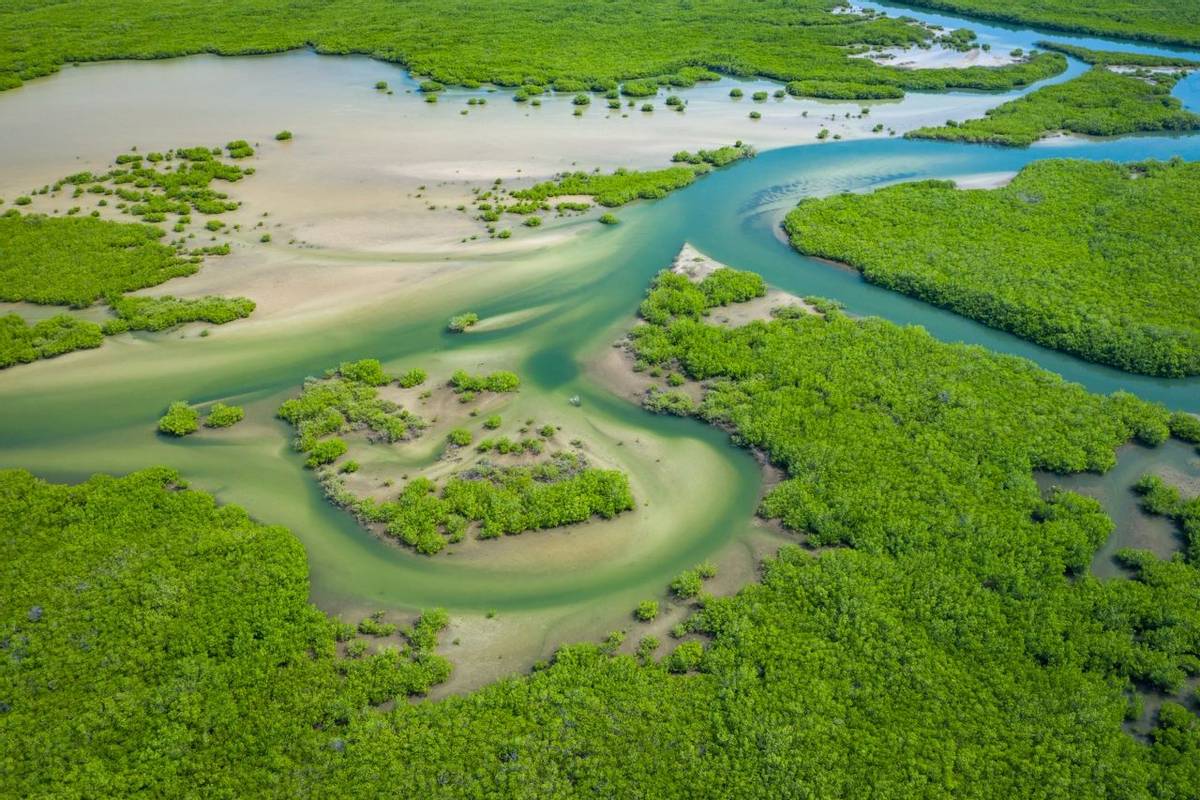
(694,264)
(939,57)
(984,180)
(1123,70)
(614,369)
(1187,483)
(759,309)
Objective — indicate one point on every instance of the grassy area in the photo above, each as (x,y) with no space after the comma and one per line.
(162,313)
(1097,103)
(175,633)
(1111,58)
(616,189)
(21,342)
(954,641)
(75,261)
(626,185)
(575,47)
(1168,21)
(1097,259)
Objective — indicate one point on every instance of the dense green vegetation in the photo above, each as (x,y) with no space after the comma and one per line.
(161,313)
(459,437)
(690,583)
(904,448)
(147,636)
(1097,103)
(75,260)
(720,157)
(617,189)
(223,416)
(21,342)
(499,381)
(625,185)
(1097,259)
(646,610)
(503,500)
(1170,21)
(1185,427)
(589,45)
(676,295)
(1109,58)
(956,647)
(180,419)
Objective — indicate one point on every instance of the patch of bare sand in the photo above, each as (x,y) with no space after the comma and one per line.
(938,57)
(694,264)
(759,309)
(985,180)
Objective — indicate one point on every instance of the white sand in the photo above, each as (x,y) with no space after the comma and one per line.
(984,180)
(939,57)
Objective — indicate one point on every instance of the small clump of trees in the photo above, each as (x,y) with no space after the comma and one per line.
(180,420)
(460,322)
(646,610)
(223,416)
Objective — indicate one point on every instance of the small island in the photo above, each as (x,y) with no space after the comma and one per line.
(494,486)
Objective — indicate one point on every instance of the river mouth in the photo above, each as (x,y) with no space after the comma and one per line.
(362,268)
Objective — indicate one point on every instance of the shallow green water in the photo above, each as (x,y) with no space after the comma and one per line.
(98,414)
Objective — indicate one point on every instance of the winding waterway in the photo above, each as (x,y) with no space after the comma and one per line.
(95,411)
